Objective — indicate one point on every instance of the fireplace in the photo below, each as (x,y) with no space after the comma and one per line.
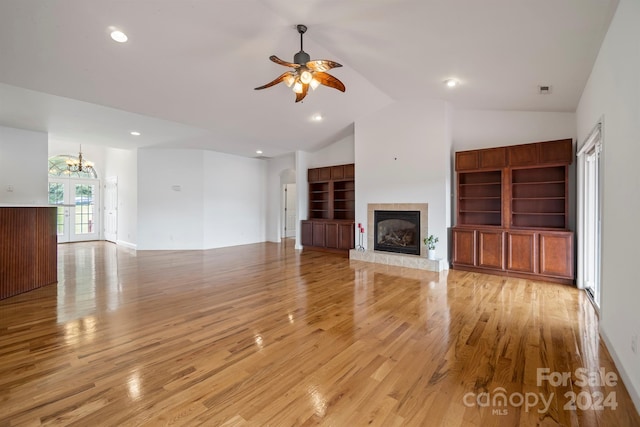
(397,231)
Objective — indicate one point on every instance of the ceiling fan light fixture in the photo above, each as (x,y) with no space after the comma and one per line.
(306,76)
(289,80)
(305,72)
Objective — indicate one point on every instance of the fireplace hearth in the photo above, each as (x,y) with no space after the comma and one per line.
(397,231)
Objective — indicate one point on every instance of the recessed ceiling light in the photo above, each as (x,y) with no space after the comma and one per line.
(451,82)
(119,36)
(258,151)
(135,133)
(317,117)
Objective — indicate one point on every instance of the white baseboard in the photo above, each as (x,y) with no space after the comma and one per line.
(626,379)
(126,244)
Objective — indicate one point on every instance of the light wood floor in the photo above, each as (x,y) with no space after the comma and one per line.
(262,335)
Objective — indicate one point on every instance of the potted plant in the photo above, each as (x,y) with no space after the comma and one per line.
(431,246)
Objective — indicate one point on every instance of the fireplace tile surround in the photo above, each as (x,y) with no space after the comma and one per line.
(403,260)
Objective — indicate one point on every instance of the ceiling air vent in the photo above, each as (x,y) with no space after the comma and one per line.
(544,90)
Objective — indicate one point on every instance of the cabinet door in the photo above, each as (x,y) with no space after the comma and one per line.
(556,254)
(346,236)
(337,172)
(467,160)
(349,171)
(331,235)
(318,234)
(312,175)
(324,174)
(523,155)
(521,252)
(464,247)
(492,158)
(306,233)
(560,151)
(491,249)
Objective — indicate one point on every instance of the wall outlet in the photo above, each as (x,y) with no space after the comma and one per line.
(10,188)
(634,344)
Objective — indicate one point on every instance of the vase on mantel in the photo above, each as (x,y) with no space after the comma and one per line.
(431,254)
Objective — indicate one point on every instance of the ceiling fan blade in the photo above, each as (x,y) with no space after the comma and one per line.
(281,62)
(322,65)
(276,81)
(329,80)
(300,96)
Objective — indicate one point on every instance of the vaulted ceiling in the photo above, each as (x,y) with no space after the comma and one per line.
(186,76)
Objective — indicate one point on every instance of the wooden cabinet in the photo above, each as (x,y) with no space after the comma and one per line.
(513,211)
(521,254)
(556,254)
(464,247)
(491,249)
(330,235)
(332,202)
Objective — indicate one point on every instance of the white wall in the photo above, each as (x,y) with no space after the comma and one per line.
(473,129)
(275,167)
(302,165)
(194,199)
(339,153)
(123,164)
(23,166)
(613,92)
(403,155)
(170,199)
(235,200)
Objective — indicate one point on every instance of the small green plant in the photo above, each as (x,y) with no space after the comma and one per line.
(431,241)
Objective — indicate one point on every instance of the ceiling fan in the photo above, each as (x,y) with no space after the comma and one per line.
(305,72)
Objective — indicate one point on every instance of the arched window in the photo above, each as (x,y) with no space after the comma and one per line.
(59,167)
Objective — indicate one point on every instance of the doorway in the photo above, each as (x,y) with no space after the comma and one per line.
(78,214)
(111,209)
(290,210)
(590,213)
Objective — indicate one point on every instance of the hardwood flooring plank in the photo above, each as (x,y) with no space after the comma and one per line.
(265,335)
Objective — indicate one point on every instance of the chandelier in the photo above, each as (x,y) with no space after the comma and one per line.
(79,165)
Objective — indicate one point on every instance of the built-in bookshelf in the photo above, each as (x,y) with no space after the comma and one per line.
(539,197)
(480,198)
(513,211)
(319,200)
(332,207)
(344,199)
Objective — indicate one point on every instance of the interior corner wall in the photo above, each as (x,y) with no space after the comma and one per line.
(23,181)
(475,129)
(402,155)
(613,94)
(123,164)
(235,200)
(275,167)
(302,165)
(339,153)
(170,199)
